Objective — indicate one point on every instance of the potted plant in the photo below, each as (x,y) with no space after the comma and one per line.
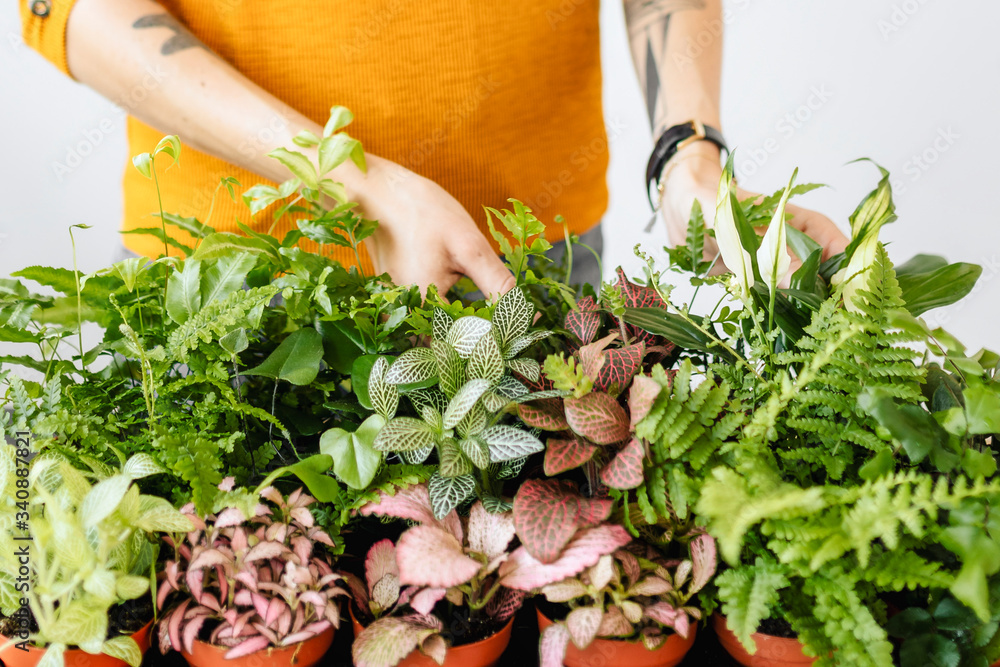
(243,589)
(75,584)
(827,457)
(441,573)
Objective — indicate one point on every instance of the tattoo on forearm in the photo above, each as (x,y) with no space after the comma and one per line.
(648,22)
(180,40)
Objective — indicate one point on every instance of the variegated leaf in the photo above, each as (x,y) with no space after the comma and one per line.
(524,572)
(388,640)
(440,324)
(510,388)
(384,396)
(415,365)
(496,505)
(447,493)
(601,572)
(546,414)
(432,397)
(585,320)
(507,443)
(526,368)
(545,515)
(640,398)
(477,451)
(417,456)
(474,422)
(451,367)
(485,361)
(651,586)
(521,343)
(620,366)
(592,355)
(614,624)
(625,470)
(453,463)
(597,417)
(542,395)
(404,434)
(489,534)
(463,401)
(632,611)
(582,624)
(466,332)
(493,402)
(431,556)
(512,316)
(565,590)
(552,646)
(566,454)
(512,469)
(431,417)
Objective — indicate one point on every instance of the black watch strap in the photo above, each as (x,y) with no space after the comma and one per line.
(674,139)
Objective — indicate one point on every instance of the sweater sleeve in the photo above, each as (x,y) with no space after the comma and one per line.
(43,24)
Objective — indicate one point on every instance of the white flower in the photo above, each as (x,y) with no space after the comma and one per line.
(735,257)
(856,272)
(773,259)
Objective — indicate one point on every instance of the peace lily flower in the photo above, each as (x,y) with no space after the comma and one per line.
(856,271)
(773,259)
(734,255)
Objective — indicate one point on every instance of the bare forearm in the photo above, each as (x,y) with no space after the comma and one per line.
(113,46)
(677,87)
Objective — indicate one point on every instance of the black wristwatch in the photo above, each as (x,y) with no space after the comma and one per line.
(673,140)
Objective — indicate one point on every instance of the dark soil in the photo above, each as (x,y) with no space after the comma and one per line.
(459,628)
(777,627)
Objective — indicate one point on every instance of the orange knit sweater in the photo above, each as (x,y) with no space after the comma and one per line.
(490,98)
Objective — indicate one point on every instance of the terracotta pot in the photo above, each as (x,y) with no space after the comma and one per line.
(619,653)
(484,653)
(771,651)
(303,654)
(15,657)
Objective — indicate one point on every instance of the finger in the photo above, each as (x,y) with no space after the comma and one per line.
(819,228)
(475,258)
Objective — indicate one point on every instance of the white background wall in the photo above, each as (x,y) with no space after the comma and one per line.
(885,79)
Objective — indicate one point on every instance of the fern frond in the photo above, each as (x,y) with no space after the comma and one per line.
(242,308)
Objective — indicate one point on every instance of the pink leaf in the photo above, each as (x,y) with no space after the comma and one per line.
(435,648)
(241,622)
(207,558)
(505,604)
(703,556)
(620,366)
(388,640)
(585,320)
(308,632)
(651,586)
(640,398)
(523,572)
(430,556)
(230,517)
(546,414)
(174,624)
(489,533)
(413,503)
(625,471)
(630,565)
(385,592)
(381,561)
(260,603)
(264,550)
(247,646)
(552,647)
(638,296)
(545,516)
(274,609)
(597,417)
(593,511)
(227,484)
(424,601)
(303,516)
(191,631)
(302,546)
(582,624)
(592,356)
(563,455)
(272,494)
(667,615)
(614,624)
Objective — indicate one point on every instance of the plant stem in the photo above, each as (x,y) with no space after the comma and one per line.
(79,302)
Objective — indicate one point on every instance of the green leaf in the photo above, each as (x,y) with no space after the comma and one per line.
(950,614)
(672,327)
(928,283)
(260,196)
(191,225)
(447,493)
(296,359)
(450,366)
(226,244)
(929,649)
(339,117)
(982,408)
(225,275)
(355,460)
(361,369)
(466,332)
(384,396)
(298,164)
(463,402)
(911,425)
(320,232)
(311,471)
(123,648)
(333,150)
(404,434)
(486,362)
(169,145)
(305,139)
(163,238)
(911,622)
(184,292)
(143,163)
(453,463)
(978,464)
(477,451)
(103,499)
(512,316)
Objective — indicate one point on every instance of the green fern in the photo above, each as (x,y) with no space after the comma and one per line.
(242,308)
(749,594)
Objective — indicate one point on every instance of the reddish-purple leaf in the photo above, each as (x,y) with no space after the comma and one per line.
(546,414)
(630,565)
(638,296)
(582,624)
(545,516)
(665,614)
(703,557)
(625,470)
(431,556)
(523,572)
(563,455)
(174,624)
(597,417)
(504,604)
(552,647)
(620,366)
(489,533)
(585,320)
(593,511)
(247,646)
(640,398)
